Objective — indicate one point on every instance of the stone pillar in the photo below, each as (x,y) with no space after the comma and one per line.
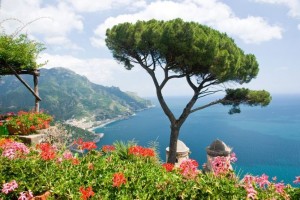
(182,153)
(216,148)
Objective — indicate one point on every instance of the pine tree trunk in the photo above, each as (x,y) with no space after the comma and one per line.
(173,143)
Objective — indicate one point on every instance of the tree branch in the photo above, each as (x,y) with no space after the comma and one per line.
(207,105)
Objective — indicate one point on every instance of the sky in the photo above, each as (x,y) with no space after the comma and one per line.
(73,32)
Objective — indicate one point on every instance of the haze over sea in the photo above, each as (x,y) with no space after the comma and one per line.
(265,140)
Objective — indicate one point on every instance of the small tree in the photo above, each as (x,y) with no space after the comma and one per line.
(203,56)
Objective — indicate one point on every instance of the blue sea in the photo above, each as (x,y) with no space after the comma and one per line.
(265,140)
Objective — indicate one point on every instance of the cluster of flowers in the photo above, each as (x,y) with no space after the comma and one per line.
(86,192)
(108,148)
(119,179)
(141,151)
(11,186)
(221,165)
(262,182)
(188,168)
(12,149)
(168,166)
(81,145)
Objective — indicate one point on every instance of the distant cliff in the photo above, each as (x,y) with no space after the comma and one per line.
(67,95)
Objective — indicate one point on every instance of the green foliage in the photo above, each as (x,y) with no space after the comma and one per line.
(18,52)
(185,47)
(235,97)
(28,122)
(68,95)
(144,178)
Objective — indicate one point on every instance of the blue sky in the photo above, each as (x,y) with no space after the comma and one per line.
(74,31)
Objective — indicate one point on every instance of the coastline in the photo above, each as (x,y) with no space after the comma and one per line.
(90,125)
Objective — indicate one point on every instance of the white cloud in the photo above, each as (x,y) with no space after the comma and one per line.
(293,5)
(108,72)
(102,71)
(60,42)
(93,6)
(210,12)
(47,21)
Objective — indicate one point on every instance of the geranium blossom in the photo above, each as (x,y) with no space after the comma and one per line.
(12,149)
(233,157)
(168,166)
(25,195)
(221,165)
(86,192)
(85,145)
(48,152)
(9,187)
(67,155)
(262,181)
(141,151)
(279,188)
(118,179)
(189,168)
(251,192)
(297,179)
(108,148)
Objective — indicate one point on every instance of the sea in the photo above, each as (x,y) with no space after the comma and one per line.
(266,140)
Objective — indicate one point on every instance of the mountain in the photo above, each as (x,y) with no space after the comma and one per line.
(67,95)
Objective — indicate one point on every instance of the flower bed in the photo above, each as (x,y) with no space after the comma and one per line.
(121,171)
(25,123)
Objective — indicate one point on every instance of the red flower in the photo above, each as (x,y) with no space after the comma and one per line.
(119,179)
(168,166)
(75,161)
(85,145)
(91,166)
(32,128)
(48,151)
(108,148)
(141,151)
(89,145)
(86,192)
(48,155)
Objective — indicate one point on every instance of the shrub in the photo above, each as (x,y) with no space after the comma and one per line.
(119,172)
(28,122)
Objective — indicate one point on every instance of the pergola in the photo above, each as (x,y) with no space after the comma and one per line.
(8,70)
(18,56)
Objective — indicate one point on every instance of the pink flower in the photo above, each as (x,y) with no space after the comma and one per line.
(14,149)
(248,179)
(220,165)
(25,195)
(233,157)
(68,155)
(297,179)
(251,192)
(9,187)
(262,181)
(188,168)
(279,188)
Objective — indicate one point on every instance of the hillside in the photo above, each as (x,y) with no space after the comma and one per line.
(67,95)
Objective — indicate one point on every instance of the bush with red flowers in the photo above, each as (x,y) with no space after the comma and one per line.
(121,171)
(27,122)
